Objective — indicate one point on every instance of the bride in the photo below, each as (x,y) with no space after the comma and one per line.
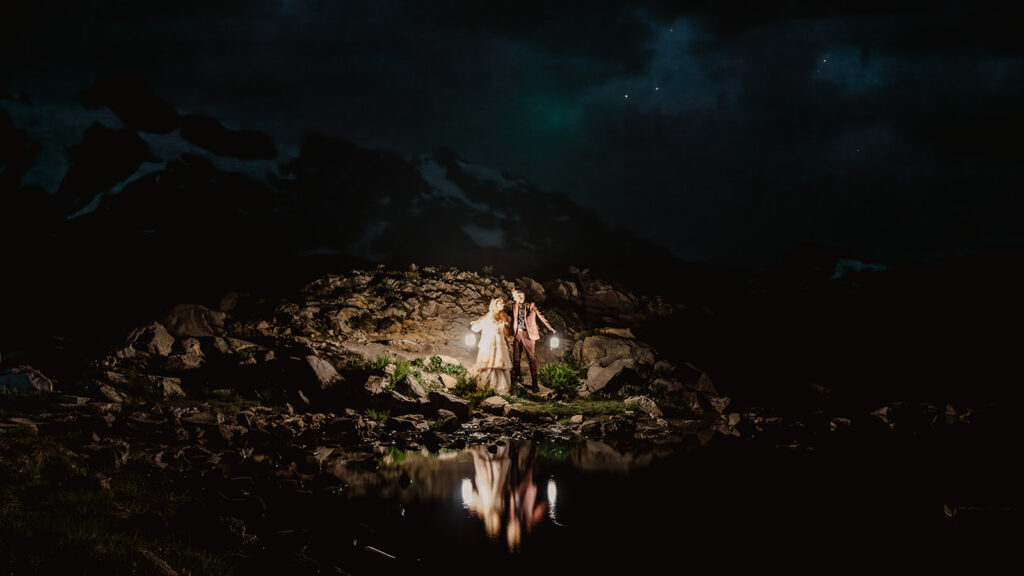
(493,364)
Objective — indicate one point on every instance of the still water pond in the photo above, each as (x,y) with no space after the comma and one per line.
(520,506)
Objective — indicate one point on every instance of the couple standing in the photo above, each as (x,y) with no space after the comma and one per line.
(496,328)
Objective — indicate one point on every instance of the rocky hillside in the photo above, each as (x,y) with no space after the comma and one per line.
(393,341)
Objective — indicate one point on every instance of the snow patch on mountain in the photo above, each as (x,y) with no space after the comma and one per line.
(846,265)
(485,173)
(57,127)
(485,237)
(436,176)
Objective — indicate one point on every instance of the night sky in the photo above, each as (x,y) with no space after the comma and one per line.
(727,131)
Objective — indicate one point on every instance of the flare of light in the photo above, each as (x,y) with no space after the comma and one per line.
(554,342)
(470,339)
(552,496)
(467,492)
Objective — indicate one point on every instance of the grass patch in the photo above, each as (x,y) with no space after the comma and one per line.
(56,518)
(588,408)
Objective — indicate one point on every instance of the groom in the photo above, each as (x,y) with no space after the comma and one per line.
(524,335)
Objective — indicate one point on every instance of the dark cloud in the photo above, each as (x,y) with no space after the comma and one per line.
(885,127)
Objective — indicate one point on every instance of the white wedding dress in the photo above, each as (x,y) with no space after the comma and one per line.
(493,362)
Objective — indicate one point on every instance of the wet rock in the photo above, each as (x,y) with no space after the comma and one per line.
(494,405)
(151,339)
(186,320)
(513,411)
(576,419)
(432,440)
(24,379)
(591,429)
(445,401)
(409,422)
(447,420)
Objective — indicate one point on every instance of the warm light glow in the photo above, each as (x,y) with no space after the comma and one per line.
(554,342)
(467,492)
(470,339)
(552,496)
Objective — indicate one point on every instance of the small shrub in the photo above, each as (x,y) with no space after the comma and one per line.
(418,363)
(560,377)
(403,369)
(378,415)
(436,364)
(379,363)
(453,369)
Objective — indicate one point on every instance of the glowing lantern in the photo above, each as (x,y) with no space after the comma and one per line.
(554,342)
(470,340)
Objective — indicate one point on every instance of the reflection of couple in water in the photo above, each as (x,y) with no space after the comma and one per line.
(504,493)
(493,367)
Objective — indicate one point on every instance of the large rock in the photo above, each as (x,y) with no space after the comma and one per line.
(494,405)
(610,379)
(532,289)
(411,387)
(644,404)
(445,401)
(375,384)
(325,374)
(606,349)
(186,320)
(167,386)
(151,339)
(397,403)
(24,379)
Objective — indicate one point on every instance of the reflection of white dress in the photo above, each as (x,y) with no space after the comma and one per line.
(493,363)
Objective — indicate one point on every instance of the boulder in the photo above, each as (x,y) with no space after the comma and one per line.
(610,379)
(397,403)
(606,349)
(566,291)
(186,320)
(533,290)
(375,384)
(24,379)
(166,385)
(494,405)
(447,420)
(325,374)
(445,401)
(151,339)
(644,404)
(411,387)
